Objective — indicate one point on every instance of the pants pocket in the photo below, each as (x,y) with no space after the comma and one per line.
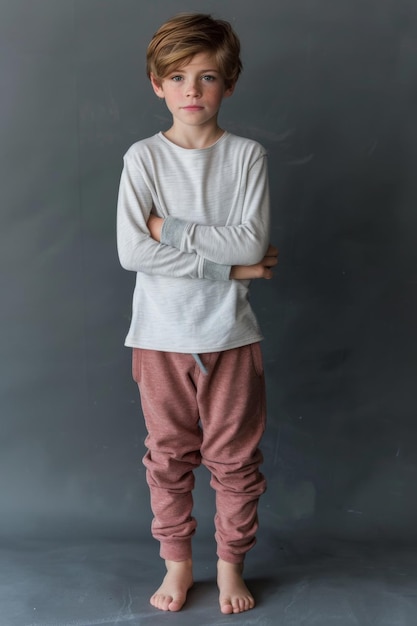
(257,359)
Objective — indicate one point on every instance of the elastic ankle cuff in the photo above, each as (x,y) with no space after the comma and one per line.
(236,559)
(178,551)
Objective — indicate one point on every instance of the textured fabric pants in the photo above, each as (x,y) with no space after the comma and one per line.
(216,419)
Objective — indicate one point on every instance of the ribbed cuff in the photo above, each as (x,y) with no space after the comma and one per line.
(215,271)
(172,231)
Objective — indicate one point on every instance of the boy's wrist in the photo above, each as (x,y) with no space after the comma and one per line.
(154,225)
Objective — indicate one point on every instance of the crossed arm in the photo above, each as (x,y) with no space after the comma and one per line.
(139,235)
(262,269)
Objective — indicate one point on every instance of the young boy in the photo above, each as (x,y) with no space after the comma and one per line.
(193,222)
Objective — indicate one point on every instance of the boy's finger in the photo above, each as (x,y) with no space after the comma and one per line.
(270,260)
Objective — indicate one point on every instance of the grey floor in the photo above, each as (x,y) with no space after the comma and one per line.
(298,581)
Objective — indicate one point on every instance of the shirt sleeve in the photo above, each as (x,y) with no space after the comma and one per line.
(242,244)
(137,250)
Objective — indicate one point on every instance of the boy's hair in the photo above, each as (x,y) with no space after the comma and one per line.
(188,34)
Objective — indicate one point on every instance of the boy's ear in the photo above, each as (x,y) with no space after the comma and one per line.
(157,87)
(228,92)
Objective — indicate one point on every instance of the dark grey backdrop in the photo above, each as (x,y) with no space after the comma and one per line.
(329,88)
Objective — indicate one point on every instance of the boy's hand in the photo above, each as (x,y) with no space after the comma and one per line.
(263,269)
(154,224)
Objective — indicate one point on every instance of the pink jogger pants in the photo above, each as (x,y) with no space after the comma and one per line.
(216,419)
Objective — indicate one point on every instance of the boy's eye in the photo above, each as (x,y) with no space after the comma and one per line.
(176,78)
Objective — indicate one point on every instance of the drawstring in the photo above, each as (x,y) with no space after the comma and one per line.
(200,363)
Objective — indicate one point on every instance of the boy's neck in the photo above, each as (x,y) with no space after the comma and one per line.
(194,138)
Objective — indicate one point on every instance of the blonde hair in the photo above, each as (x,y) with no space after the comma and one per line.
(188,34)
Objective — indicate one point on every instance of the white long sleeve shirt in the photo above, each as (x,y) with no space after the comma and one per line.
(215,203)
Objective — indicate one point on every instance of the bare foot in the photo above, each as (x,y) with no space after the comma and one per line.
(172,594)
(235,597)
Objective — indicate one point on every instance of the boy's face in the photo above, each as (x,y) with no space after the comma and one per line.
(193,92)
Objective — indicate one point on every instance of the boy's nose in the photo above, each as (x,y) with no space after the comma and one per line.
(193,88)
